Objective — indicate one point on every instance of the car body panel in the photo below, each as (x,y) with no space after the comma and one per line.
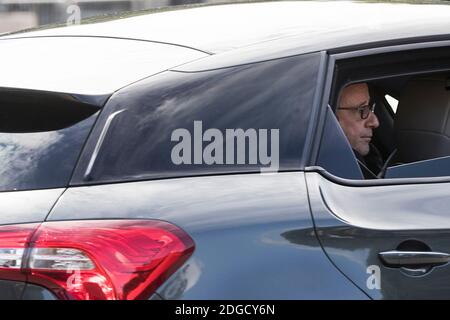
(355,224)
(279,260)
(27,206)
(218,201)
(228,217)
(429,210)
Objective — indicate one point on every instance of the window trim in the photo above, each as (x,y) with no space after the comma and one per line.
(374,182)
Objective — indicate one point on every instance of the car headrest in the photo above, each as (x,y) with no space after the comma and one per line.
(422,126)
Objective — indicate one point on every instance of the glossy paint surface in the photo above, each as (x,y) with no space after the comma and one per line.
(253,234)
(355,224)
(27,206)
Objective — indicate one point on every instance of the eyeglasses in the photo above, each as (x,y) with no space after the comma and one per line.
(364,111)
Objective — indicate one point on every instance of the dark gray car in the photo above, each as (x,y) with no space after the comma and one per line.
(195,154)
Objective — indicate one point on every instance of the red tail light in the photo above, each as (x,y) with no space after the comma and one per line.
(101,259)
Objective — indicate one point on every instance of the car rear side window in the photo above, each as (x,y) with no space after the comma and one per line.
(41,136)
(238,119)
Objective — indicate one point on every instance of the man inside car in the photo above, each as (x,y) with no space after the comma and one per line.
(355,113)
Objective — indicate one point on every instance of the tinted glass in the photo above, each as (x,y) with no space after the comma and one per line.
(35,160)
(270,101)
(336,154)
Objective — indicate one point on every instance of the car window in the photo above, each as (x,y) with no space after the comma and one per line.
(249,118)
(40,139)
(402,137)
(393,103)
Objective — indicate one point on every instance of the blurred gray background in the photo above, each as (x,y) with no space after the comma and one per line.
(23,14)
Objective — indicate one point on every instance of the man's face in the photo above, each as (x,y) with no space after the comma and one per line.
(358,131)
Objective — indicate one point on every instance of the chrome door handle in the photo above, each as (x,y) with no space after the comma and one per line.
(413,258)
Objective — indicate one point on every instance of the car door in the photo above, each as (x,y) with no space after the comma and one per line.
(392,241)
(391,237)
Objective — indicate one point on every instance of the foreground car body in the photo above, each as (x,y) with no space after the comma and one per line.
(206,161)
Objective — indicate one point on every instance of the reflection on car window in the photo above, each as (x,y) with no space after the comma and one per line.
(35,160)
(275,95)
